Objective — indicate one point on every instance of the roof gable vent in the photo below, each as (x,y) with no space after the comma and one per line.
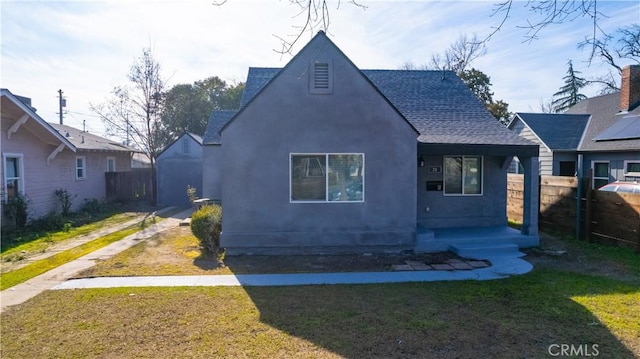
(321,81)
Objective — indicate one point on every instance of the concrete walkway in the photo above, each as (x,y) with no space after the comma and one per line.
(34,286)
(501,268)
(82,239)
(57,278)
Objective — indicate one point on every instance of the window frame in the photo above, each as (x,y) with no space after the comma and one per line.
(83,168)
(186,146)
(593,169)
(626,173)
(444,181)
(5,179)
(111,158)
(326,176)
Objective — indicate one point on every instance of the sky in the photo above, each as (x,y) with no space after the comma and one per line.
(86,48)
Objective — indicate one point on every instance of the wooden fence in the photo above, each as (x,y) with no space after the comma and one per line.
(604,217)
(134,185)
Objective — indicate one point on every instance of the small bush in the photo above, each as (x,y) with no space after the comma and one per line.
(65,199)
(93,206)
(17,209)
(206,225)
(51,222)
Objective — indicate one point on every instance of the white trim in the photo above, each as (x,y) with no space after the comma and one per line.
(84,167)
(22,182)
(593,180)
(630,174)
(444,180)
(326,176)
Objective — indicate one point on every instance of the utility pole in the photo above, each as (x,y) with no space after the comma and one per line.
(63,103)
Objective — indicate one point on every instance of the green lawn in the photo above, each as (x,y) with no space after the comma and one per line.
(517,317)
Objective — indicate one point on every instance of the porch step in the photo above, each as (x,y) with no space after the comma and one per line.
(486,250)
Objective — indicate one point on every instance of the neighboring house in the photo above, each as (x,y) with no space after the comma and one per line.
(324,156)
(558,135)
(39,158)
(179,165)
(140,160)
(600,133)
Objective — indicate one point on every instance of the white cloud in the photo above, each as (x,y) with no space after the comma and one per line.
(86,48)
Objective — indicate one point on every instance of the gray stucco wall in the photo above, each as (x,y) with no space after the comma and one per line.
(616,163)
(175,169)
(285,118)
(437,210)
(211,172)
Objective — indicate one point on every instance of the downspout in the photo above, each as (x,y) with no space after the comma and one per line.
(579,198)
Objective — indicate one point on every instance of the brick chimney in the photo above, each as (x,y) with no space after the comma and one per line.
(630,87)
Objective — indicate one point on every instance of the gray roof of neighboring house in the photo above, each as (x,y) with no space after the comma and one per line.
(87,141)
(605,113)
(437,103)
(556,131)
(217,120)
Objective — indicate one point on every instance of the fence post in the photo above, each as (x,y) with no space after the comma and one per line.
(588,208)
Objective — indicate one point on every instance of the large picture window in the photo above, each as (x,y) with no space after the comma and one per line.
(331,177)
(463,175)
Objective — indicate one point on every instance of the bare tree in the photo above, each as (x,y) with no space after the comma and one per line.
(459,55)
(624,45)
(133,110)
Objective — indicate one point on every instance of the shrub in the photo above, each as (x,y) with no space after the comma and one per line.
(17,209)
(51,222)
(65,198)
(93,206)
(206,225)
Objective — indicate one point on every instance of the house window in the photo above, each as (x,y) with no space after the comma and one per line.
(81,167)
(463,175)
(332,177)
(567,168)
(600,173)
(185,145)
(111,164)
(13,175)
(321,81)
(632,168)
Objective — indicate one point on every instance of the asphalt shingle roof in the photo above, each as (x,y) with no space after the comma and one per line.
(557,131)
(437,103)
(605,112)
(87,141)
(217,120)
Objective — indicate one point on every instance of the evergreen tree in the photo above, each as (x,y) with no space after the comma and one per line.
(569,94)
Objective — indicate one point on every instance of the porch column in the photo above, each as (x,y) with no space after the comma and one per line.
(531,200)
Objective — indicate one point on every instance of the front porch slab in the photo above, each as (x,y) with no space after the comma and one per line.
(481,238)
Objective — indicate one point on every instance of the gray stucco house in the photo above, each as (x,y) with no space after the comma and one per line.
(179,165)
(600,133)
(323,156)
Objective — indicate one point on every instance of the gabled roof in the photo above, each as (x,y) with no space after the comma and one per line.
(192,135)
(195,137)
(13,106)
(217,120)
(556,131)
(436,103)
(605,114)
(87,141)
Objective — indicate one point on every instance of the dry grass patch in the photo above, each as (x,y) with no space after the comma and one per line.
(172,252)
